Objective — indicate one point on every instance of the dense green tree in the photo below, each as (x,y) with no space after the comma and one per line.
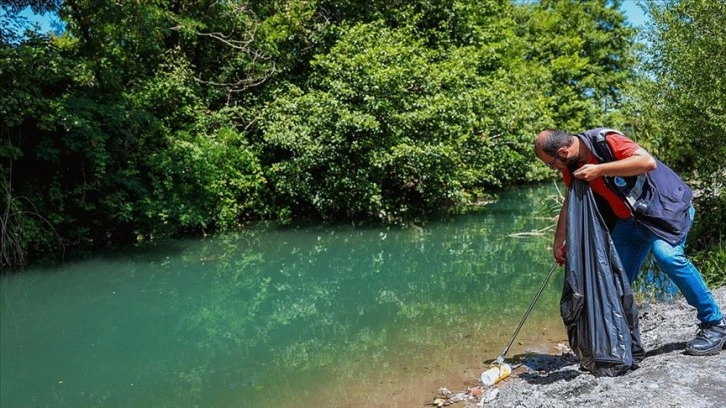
(587,47)
(390,129)
(158,118)
(680,106)
(687,61)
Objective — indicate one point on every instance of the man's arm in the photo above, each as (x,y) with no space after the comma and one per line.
(637,163)
(560,234)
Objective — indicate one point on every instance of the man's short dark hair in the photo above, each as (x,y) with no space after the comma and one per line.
(554,139)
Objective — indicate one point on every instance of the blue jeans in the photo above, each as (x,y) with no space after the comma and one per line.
(633,243)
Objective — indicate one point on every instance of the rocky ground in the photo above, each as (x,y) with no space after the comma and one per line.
(666,378)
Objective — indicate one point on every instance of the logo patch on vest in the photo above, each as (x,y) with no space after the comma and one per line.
(619,181)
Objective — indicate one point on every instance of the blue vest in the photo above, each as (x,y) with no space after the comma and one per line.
(659,200)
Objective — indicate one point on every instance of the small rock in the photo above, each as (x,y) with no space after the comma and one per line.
(491,395)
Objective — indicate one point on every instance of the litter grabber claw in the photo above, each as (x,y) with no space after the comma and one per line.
(500,370)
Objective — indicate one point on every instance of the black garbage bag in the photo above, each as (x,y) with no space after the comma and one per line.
(597,304)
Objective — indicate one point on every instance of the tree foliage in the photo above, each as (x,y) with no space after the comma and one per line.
(585,45)
(421,127)
(680,107)
(157,118)
(688,59)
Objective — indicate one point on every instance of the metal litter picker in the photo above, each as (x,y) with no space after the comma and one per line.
(500,370)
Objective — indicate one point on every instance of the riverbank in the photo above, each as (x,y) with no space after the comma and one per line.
(666,378)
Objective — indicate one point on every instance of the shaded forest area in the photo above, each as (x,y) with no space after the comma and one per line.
(150,119)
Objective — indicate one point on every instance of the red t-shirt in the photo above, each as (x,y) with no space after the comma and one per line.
(621,147)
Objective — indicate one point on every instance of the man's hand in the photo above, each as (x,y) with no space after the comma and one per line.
(637,163)
(587,172)
(560,253)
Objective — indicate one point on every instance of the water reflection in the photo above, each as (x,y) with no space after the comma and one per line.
(277,315)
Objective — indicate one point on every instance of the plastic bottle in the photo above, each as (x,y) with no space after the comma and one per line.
(496,374)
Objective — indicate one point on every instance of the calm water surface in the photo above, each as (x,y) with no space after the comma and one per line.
(314,316)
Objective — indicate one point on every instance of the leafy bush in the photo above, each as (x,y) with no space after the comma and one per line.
(389,129)
(681,109)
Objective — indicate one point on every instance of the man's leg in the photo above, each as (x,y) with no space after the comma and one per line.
(672,260)
(632,245)
(711,335)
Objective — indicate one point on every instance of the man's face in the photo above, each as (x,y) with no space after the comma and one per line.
(561,160)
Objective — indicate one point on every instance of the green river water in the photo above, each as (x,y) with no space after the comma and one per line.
(310,316)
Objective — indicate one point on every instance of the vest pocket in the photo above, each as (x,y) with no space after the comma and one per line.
(667,211)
